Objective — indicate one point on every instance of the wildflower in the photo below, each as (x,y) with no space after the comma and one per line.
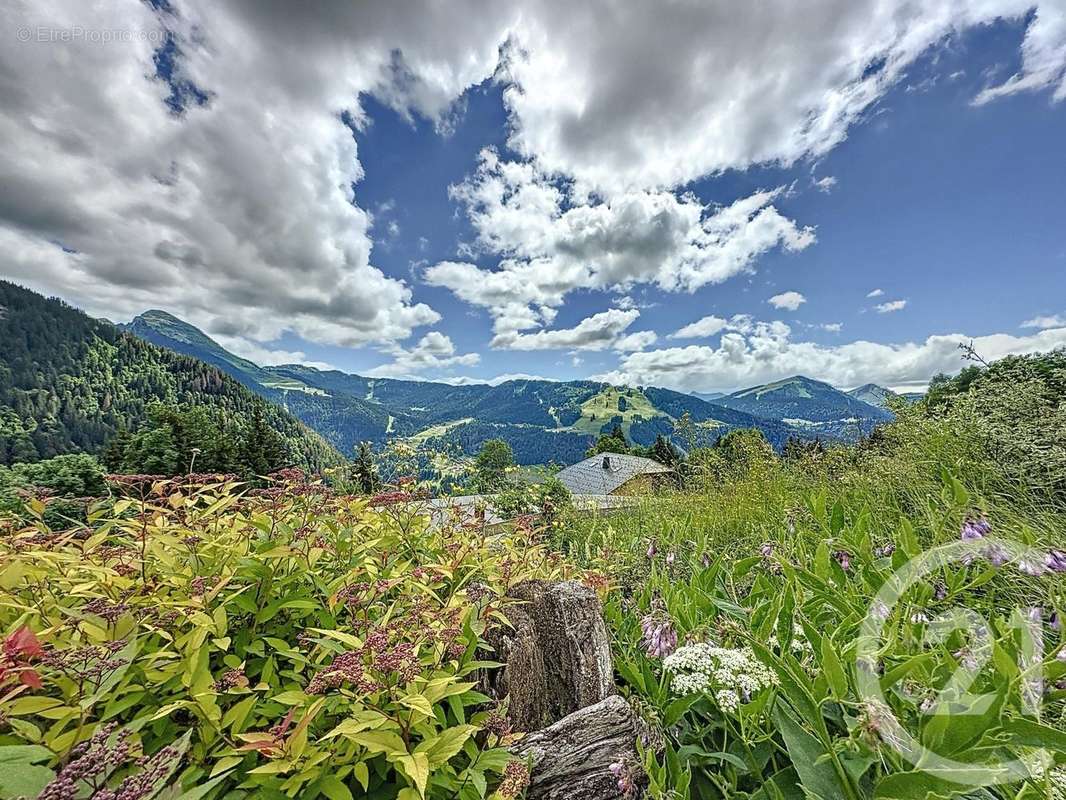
(843,558)
(885,550)
(651,549)
(974,528)
(231,679)
(624,775)
(996,554)
(515,780)
(705,559)
(732,676)
(766,550)
(670,558)
(660,638)
(879,610)
(1056,561)
(940,591)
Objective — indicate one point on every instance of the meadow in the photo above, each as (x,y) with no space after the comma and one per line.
(198,638)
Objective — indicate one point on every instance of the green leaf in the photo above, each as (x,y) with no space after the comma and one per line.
(809,757)
(20,774)
(1026,733)
(362,774)
(441,748)
(834,670)
(333,788)
(677,709)
(416,766)
(380,742)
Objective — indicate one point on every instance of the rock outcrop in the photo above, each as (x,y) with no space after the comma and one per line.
(571,759)
(557,654)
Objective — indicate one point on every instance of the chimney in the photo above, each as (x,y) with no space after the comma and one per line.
(606,462)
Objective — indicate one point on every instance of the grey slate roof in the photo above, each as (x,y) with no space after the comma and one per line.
(606,472)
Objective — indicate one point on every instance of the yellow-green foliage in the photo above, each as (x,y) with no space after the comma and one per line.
(284,642)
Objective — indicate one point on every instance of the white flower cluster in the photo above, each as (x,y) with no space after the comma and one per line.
(730,675)
(800,646)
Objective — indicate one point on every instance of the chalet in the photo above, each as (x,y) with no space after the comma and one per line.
(613,474)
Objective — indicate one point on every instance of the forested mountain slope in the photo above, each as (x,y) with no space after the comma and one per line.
(542,420)
(68,383)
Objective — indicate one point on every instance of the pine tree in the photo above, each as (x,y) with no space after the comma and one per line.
(365,471)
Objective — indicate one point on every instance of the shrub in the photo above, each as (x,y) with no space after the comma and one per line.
(265,643)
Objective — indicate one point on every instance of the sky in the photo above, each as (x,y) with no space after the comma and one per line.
(700,196)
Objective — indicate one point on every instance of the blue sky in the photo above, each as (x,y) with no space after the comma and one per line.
(558,202)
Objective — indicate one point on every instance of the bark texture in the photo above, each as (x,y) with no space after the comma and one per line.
(571,759)
(557,655)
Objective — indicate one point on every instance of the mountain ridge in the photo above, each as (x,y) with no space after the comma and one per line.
(809,404)
(542,420)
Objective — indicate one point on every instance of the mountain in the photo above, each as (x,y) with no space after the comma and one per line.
(543,421)
(872,394)
(341,417)
(810,405)
(68,383)
(879,396)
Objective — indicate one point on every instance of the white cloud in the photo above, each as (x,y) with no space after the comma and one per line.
(1052,321)
(465,380)
(240,214)
(1043,57)
(832,327)
(825,184)
(267,356)
(890,306)
(641,96)
(549,247)
(707,326)
(787,300)
(602,331)
(237,213)
(875,293)
(433,353)
(764,352)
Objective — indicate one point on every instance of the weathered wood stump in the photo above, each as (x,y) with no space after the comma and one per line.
(557,654)
(571,759)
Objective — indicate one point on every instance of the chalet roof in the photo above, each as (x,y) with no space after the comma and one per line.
(606,472)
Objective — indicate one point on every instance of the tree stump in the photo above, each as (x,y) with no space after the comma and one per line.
(557,655)
(571,759)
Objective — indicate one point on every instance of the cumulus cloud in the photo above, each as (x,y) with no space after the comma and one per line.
(433,353)
(890,306)
(707,326)
(773,82)
(1052,321)
(832,327)
(759,352)
(875,293)
(549,247)
(120,192)
(602,331)
(787,300)
(238,211)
